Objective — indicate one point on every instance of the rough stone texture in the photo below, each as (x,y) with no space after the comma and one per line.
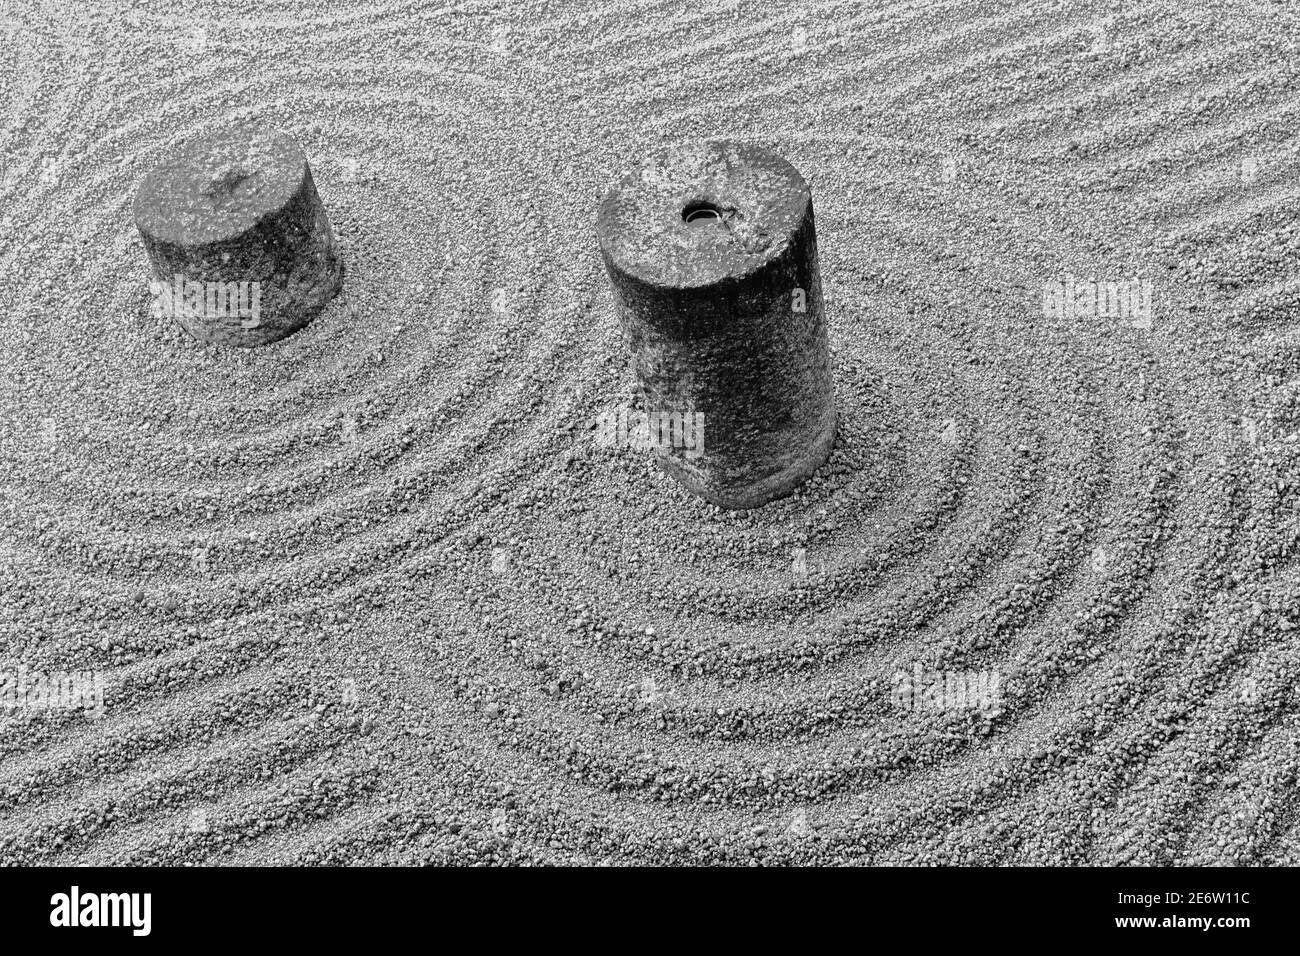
(373,596)
(239,207)
(712,251)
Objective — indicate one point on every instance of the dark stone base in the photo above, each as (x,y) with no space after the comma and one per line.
(712,253)
(234,208)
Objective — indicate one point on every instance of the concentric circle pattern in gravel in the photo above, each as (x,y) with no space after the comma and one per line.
(375,593)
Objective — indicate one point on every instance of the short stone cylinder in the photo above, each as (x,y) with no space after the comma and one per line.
(240,247)
(712,253)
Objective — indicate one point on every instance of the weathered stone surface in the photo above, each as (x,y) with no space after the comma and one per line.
(240,207)
(712,252)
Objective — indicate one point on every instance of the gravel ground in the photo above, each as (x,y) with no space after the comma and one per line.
(374,593)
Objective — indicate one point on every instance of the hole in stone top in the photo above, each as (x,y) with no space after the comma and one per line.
(701,214)
(226,179)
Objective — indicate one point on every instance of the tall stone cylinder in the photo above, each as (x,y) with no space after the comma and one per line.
(241,249)
(712,253)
